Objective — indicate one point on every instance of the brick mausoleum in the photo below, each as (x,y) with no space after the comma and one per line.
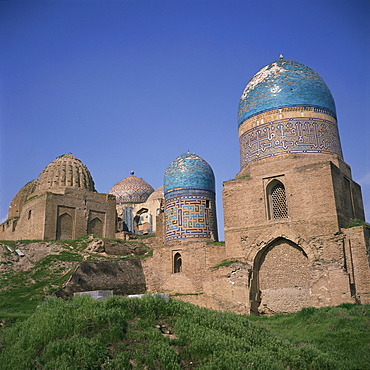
(285,213)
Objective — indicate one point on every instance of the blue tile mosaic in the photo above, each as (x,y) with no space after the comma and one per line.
(191,216)
(189,191)
(189,171)
(285,83)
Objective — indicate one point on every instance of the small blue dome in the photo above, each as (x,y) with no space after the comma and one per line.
(284,83)
(189,171)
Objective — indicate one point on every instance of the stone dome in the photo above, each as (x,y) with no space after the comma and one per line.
(285,83)
(189,171)
(65,171)
(157,194)
(131,189)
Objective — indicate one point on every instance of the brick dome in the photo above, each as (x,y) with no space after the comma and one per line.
(189,171)
(157,194)
(131,189)
(20,198)
(284,83)
(65,171)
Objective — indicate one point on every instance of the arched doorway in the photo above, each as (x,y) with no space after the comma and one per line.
(64,227)
(281,278)
(95,227)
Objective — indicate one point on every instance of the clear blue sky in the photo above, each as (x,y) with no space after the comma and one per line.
(131,85)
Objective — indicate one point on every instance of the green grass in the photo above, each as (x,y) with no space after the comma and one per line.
(216,243)
(343,330)
(122,333)
(226,263)
(357,222)
(41,332)
(21,291)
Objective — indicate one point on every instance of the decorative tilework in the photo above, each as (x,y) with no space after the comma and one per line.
(189,170)
(189,193)
(290,135)
(131,189)
(284,83)
(191,216)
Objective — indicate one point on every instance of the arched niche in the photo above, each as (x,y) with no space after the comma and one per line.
(64,227)
(95,227)
(177,263)
(281,278)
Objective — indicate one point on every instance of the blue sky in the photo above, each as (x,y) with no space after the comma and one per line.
(131,85)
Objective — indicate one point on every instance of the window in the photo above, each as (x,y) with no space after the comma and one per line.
(276,198)
(29,214)
(177,263)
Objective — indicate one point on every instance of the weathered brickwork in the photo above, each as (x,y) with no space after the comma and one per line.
(285,214)
(61,204)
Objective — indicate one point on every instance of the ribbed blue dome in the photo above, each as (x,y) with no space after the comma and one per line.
(189,171)
(284,83)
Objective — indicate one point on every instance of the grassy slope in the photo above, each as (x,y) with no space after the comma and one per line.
(148,333)
(22,290)
(123,333)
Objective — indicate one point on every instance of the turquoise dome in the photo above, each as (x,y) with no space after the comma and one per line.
(189,171)
(285,83)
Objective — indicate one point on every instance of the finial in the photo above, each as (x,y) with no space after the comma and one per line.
(281,57)
(132,172)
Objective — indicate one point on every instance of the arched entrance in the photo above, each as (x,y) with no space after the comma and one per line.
(281,278)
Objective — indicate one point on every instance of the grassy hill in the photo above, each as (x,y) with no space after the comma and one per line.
(40,332)
(46,266)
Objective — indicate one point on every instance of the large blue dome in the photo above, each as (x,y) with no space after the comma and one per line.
(189,171)
(284,83)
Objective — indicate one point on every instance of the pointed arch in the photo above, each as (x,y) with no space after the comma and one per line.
(281,278)
(276,200)
(64,227)
(95,227)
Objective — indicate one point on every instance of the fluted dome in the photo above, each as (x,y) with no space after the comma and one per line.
(285,83)
(189,171)
(131,189)
(65,171)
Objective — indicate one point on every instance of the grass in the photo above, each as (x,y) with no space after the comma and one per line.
(227,263)
(343,331)
(42,332)
(216,243)
(123,333)
(357,222)
(22,291)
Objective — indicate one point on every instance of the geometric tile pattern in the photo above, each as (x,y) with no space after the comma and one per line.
(190,216)
(289,135)
(130,190)
(189,193)
(284,83)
